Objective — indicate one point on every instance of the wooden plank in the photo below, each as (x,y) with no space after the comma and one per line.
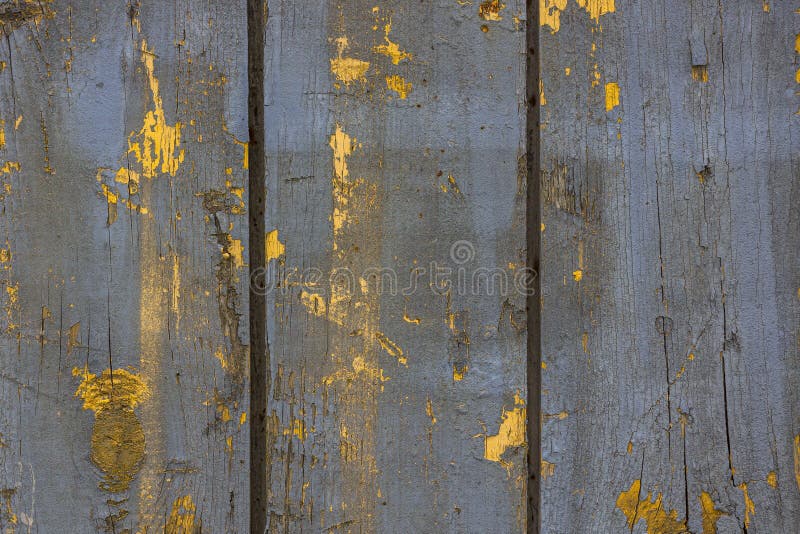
(123,347)
(398,132)
(669,161)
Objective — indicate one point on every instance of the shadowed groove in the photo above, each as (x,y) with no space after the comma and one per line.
(260,379)
(533,234)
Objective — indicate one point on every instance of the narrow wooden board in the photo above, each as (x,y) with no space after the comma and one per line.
(124,347)
(670,275)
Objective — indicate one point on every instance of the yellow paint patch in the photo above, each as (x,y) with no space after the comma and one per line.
(459,372)
(275,249)
(550,13)
(547,469)
(182,517)
(2,133)
(612,95)
(347,69)
(391,49)
(10,166)
(577,275)
(313,303)
(542,98)
(510,434)
(490,10)
(597,8)
(772,479)
(118,442)
(658,520)
(710,514)
(399,85)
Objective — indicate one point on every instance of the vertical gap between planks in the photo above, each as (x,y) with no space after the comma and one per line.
(533,243)
(260,379)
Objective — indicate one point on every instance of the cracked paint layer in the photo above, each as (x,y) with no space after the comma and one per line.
(490,10)
(710,514)
(650,510)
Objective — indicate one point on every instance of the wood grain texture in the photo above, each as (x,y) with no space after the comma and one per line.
(399,131)
(123,360)
(670,306)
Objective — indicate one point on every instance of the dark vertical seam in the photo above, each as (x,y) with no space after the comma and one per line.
(532,238)
(260,378)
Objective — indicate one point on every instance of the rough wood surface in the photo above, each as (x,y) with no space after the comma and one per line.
(670,322)
(123,348)
(399,131)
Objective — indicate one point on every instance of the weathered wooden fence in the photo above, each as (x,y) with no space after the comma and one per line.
(396,236)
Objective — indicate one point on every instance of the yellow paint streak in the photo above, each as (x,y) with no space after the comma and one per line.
(700,73)
(429,411)
(651,511)
(391,347)
(399,85)
(490,10)
(749,506)
(612,95)
(510,434)
(156,145)
(182,516)
(73,337)
(118,440)
(542,98)
(2,133)
(347,69)
(710,514)
(797,460)
(275,249)
(391,49)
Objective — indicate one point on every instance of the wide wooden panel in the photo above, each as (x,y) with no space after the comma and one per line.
(123,347)
(395,135)
(670,307)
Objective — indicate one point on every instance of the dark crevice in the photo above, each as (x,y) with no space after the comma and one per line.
(260,377)
(532,238)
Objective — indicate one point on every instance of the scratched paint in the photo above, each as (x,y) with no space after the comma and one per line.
(650,510)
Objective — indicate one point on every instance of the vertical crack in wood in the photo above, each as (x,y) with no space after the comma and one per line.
(260,379)
(533,235)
